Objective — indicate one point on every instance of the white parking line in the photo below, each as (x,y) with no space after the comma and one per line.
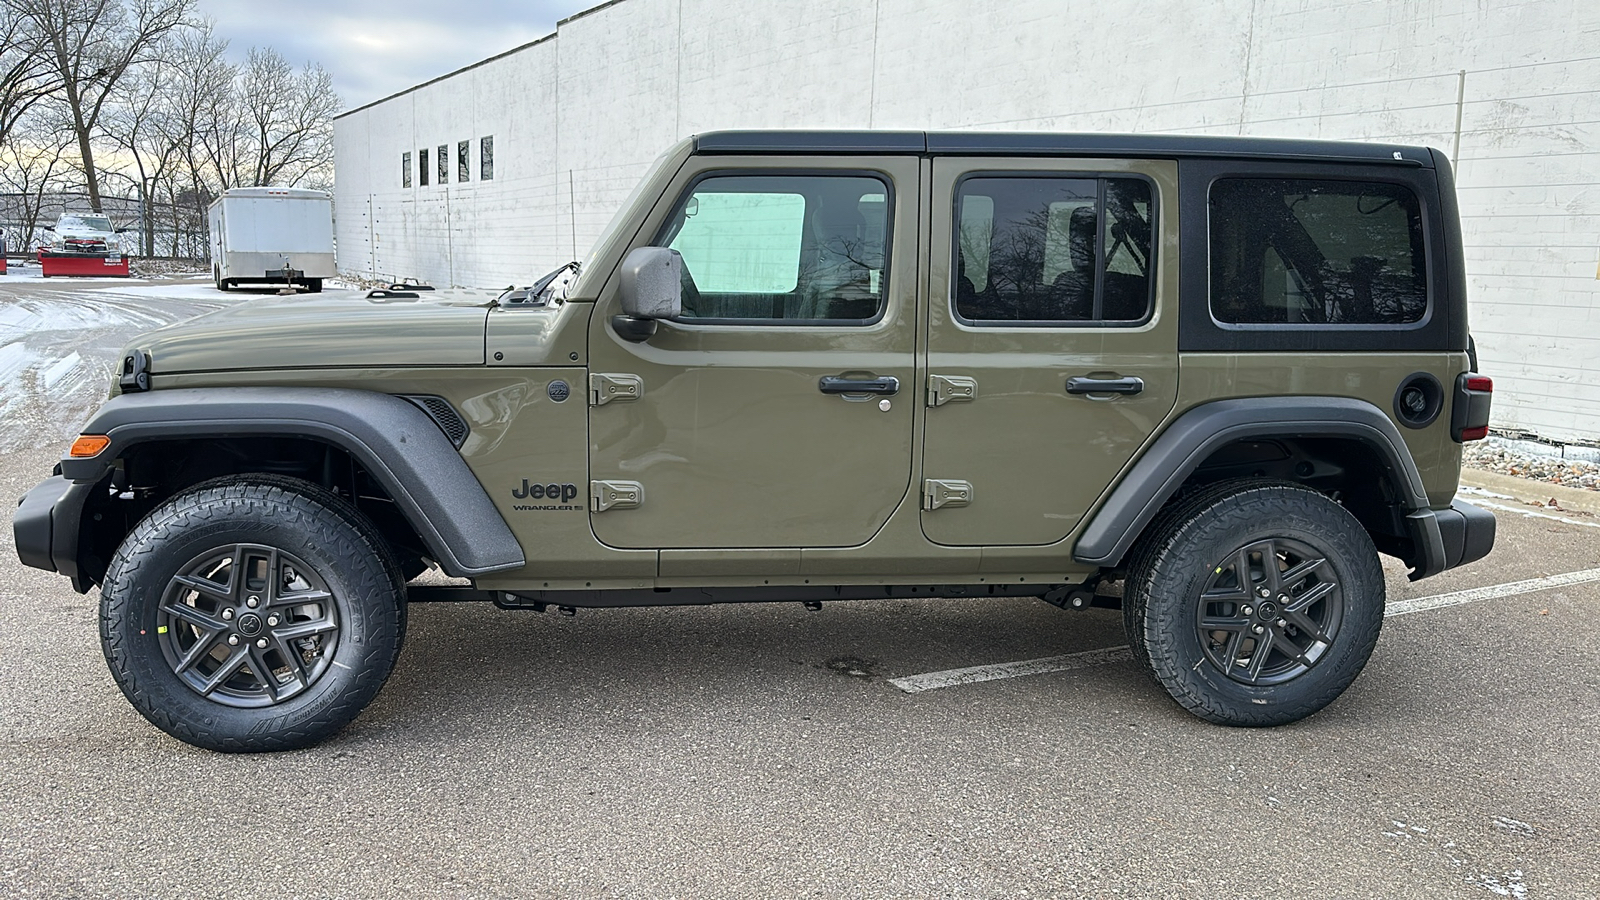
(1472,595)
(915,684)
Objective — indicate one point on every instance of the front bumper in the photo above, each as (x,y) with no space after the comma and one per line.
(46,527)
(1452,537)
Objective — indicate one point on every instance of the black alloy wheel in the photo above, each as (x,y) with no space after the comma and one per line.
(252,613)
(1254,602)
(248,625)
(1269,612)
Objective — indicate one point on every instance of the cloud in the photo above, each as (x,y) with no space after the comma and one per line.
(374,48)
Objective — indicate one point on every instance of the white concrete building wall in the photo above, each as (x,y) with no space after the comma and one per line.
(578,116)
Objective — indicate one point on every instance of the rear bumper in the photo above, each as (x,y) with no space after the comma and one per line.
(1452,537)
(46,527)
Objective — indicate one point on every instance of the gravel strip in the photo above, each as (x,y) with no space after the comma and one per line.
(1493,455)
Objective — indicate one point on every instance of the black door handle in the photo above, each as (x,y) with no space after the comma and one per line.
(1083,385)
(838,384)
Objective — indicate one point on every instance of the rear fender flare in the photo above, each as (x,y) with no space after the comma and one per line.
(1198,433)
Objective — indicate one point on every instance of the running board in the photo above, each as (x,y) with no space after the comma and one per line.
(536,600)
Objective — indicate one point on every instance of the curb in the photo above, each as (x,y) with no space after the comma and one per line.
(1529,491)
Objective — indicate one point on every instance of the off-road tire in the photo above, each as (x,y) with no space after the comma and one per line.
(1179,555)
(334,541)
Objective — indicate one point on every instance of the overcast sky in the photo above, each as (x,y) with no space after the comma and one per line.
(377,47)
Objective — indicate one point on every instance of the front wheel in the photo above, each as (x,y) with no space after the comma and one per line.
(247,615)
(1256,603)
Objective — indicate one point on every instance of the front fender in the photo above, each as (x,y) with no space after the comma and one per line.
(397,443)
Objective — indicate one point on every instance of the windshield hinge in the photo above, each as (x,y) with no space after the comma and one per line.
(605,387)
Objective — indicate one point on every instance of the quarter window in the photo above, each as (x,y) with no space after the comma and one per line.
(1312,252)
(795,248)
(1053,250)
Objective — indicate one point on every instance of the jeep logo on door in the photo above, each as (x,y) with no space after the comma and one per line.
(559,496)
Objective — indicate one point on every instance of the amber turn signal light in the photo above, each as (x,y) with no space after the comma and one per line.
(89,445)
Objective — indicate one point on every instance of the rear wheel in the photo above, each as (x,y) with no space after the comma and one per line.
(252,614)
(1254,603)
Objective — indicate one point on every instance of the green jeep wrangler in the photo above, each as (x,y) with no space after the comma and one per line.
(1207,380)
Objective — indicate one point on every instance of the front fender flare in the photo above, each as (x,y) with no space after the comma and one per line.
(397,443)
(1196,434)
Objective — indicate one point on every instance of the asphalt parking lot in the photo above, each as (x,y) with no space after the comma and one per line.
(766,751)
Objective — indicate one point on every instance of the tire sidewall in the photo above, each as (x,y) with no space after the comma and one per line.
(165,542)
(1182,573)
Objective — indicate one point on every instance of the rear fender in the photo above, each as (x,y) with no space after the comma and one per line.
(1201,431)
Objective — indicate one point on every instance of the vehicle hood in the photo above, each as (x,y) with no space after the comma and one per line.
(325,331)
(89,234)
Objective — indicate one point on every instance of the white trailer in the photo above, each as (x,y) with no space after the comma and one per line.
(273,236)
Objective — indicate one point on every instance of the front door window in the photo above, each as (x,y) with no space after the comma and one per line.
(801,249)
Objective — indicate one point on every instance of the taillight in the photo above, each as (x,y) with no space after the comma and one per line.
(1469,413)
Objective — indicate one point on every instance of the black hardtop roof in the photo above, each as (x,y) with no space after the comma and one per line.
(1006,143)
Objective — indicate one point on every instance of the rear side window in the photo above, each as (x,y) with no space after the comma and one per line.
(1311,252)
(791,248)
(1053,250)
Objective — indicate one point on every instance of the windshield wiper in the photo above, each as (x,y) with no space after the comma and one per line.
(541,292)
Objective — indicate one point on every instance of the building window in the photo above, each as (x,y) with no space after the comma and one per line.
(1055,250)
(405,169)
(444,163)
(486,159)
(422,165)
(1305,252)
(463,168)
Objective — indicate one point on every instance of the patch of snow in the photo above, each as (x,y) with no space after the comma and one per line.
(60,369)
(1506,884)
(1514,826)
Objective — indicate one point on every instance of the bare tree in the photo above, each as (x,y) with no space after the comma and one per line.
(25,72)
(137,121)
(90,46)
(31,168)
(289,117)
(201,121)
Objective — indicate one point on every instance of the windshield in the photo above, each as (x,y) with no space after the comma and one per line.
(85,223)
(620,217)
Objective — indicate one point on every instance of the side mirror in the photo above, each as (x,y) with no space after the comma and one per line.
(122,230)
(48,227)
(652,283)
(651,288)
